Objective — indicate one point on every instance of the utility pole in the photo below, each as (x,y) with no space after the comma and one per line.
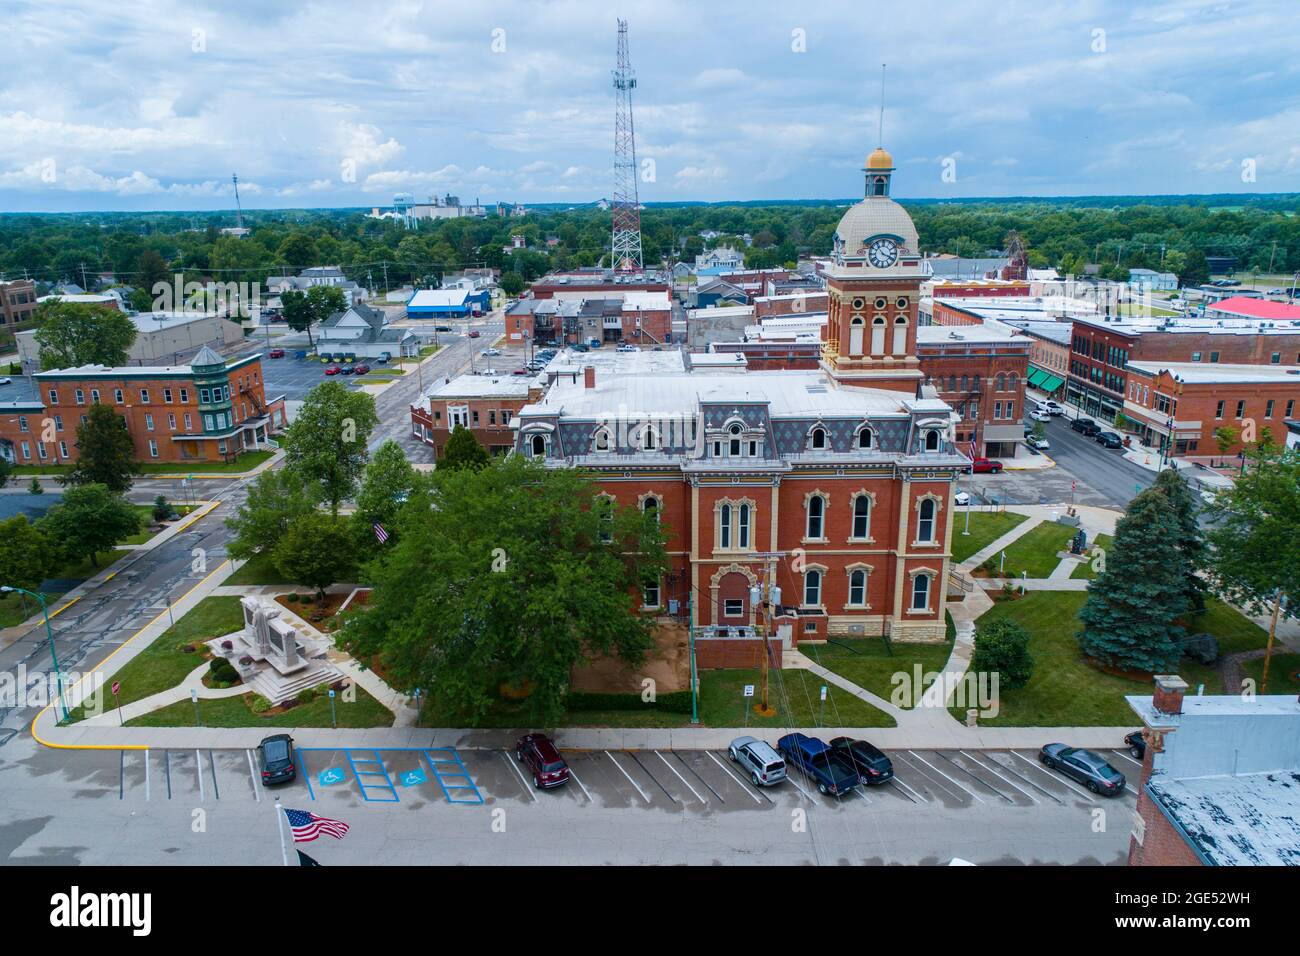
(763,596)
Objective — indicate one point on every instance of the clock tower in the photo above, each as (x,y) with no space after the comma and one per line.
(873,283)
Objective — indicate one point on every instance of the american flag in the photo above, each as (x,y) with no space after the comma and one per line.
(307,826)
(380,533)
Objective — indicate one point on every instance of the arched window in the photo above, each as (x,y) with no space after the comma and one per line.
(1002,382)
(602,440)
(742,533)
(900,335)
(861,516)
(932,439)
(818,438)
(952,383)
(812,588)
(724,526)
(878,335)
(650,506)
(858,587)
(605,517)
(866,438)
(925,521)
(734,445)
(539,446)
(649,440)
(921,592)
(816,516)
(857,329)
(1013,382)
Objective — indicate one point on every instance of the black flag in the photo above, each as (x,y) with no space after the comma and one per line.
(305,860)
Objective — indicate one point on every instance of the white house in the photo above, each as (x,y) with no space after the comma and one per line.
(363,332)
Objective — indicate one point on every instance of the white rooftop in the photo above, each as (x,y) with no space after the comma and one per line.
(1217,372)
(482,386)
(986,332)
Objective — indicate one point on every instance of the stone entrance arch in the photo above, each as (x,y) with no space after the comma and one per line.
(732,582)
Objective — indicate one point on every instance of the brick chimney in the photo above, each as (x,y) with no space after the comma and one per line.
(588,376)
(1168,699)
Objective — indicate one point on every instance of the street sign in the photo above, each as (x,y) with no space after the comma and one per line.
(749,690)
(331,693)
(117,685)
(823,691)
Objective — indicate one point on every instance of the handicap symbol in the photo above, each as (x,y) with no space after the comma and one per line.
(412,778)
(332,776)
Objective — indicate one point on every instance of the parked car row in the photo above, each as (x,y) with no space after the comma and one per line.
(347,369)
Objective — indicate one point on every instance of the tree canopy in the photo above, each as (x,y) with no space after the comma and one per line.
(326,444)
(72,334)
(90,519)
(107,452)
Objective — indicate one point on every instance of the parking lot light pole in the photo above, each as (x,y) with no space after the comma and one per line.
(49,634)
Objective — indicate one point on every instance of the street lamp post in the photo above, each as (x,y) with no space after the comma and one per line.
(49,634)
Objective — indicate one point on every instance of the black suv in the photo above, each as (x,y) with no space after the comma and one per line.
(275,754)
(1109,440)
(871,765)
(1086,425)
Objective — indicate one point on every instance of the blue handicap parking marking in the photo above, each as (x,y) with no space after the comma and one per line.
(413,778)
(332,776)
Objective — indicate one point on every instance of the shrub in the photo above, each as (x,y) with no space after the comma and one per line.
(291,598)
(1202,648)
(260,704)
(676,702)
(35,487)
(1002,647)
(222,670)
(162,509)
(306,696)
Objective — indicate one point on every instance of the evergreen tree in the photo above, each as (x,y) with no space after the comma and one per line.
(463,450)
(1191,540)
(1129,619)
(107,452)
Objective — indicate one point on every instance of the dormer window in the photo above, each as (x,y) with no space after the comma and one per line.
(601,442)
(649,440)
(538,448)
(931,439)
(817,440)
(866,437)
(734,444)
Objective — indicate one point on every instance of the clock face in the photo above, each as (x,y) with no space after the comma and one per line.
(882,253)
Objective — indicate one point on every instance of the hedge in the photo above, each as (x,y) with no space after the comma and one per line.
(676,702)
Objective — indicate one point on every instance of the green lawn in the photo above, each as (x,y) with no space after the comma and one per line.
(1034,551)
(1085,570)
(868,663)
(365,711)
(1067,691)
(985,528)
(258,570)
(163,664)
(722,704)
(1283,672)
(13,611)
(247,461)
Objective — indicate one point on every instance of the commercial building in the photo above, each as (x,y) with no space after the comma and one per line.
(1238,306)
(207,411)
(1218,780)
(458,303)
(161,338)
(17,302)
(363,332)
(1148,280)
(585,318)
(485,404)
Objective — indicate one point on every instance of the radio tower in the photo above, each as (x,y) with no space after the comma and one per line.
(239,210)
(626,246)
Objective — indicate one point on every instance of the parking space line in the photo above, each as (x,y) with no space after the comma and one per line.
(974,776)
(302,767)
(579,782)
(1059,777)
(644,795)
(121,775)
(911,794)
(858,791)
(520,774)
(658,783)
(758,797)
(167,772)
(1043,790)
(252,775)
(696,774)
(198,772)
(994,770)
(1128,757)
(806,795)
(146,775)
(969,793)
(212,765)
(931,786)
(684,781)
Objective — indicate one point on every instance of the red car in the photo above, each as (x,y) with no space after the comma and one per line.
(332,370)
(986,465)
(473,333)
(361,370)
(538,754)
(520,371)
(276,353)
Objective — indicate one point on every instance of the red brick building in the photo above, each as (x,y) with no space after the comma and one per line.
(833,485)
(1217,784)
(17,302)
(208,411)
(595,284)
(485,404)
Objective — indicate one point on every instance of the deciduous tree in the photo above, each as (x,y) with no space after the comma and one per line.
(71,334)
(106,451)
(326,444)
(88,520)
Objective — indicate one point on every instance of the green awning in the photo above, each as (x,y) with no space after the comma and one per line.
(1050,383)
(1034,375)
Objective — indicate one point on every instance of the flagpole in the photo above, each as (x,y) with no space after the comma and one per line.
(279,826)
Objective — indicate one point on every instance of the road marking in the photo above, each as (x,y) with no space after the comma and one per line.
(696,774)
(523,781)
(644,795)
(580,783)
(212,765)
(743,786)
(914,794)
(252,776)
(658,783)
(1059,777)
(1040,789)
(974,776)
(198,772)
(858,791)
(167,771)
(121,775)
(146,774)
(806,795)
(1128,757)
(970,793)
(975,760)
(684,781)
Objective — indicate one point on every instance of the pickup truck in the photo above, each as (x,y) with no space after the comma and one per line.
(981,466)
(819,763)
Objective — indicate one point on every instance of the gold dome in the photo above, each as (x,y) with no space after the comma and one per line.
(879,159)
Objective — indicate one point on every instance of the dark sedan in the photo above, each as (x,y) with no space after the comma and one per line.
(1085,767)
(869,762)
(275,754)
(1137,744)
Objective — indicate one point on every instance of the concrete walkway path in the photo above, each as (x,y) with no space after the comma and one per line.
(799,660)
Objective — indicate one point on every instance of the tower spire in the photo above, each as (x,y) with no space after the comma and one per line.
(625,247)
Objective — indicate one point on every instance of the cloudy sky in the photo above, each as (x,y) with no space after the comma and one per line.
(134,105)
